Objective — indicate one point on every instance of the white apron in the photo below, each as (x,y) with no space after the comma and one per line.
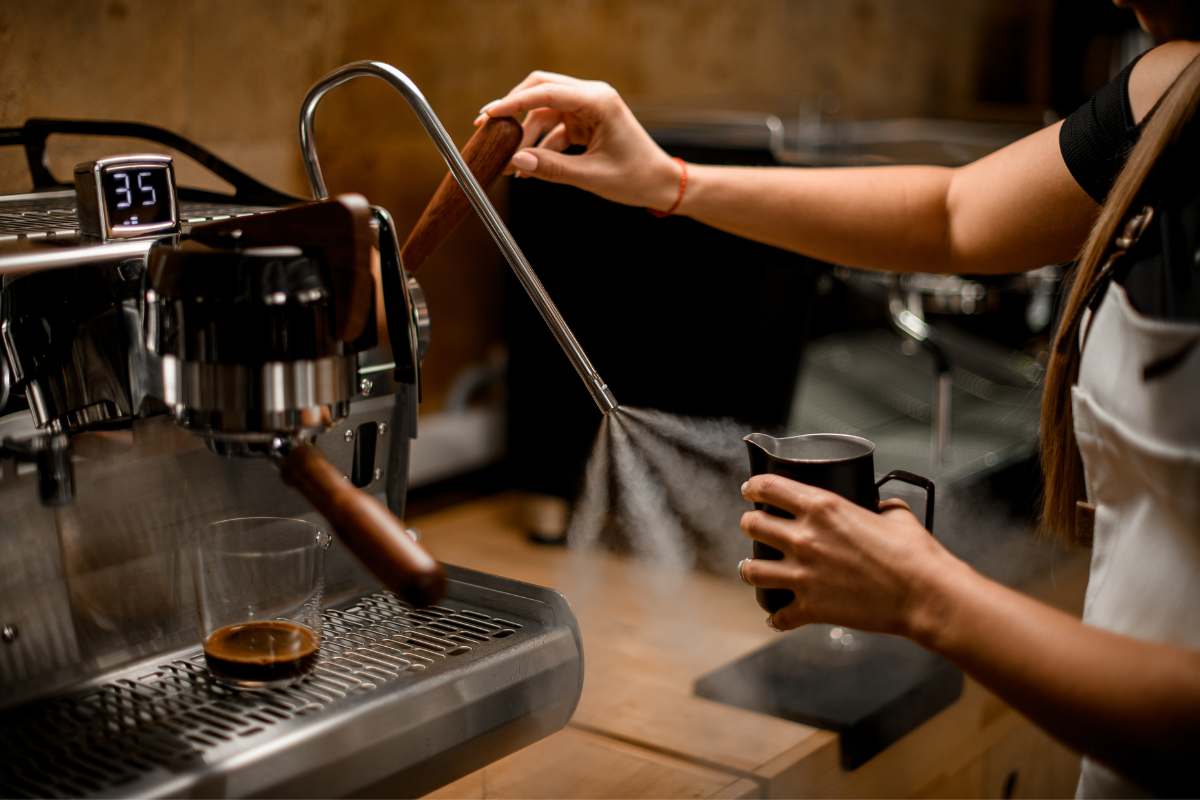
(1140,443)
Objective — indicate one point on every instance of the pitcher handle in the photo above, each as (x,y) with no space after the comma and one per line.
(920,482)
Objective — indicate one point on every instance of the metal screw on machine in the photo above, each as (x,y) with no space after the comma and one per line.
(365,386)
(8,634)
(348,435)
(478,199)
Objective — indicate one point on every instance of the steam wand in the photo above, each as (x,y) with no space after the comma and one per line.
(599,390)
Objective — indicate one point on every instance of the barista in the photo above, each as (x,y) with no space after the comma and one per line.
(1121,411)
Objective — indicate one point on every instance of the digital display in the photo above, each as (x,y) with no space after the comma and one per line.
(136,194)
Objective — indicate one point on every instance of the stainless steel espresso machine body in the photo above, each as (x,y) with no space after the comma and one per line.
(108,372)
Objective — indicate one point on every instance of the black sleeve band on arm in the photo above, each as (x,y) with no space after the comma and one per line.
(1096,138)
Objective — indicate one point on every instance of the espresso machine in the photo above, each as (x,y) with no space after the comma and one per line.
(172,357)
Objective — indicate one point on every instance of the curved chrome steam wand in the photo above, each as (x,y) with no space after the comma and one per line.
(475,194)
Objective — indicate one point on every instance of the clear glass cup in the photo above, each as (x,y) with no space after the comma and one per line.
(259,583)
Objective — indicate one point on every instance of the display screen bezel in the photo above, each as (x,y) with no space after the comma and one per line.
(105,167)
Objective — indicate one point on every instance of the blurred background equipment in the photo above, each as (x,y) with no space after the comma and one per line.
(679,316)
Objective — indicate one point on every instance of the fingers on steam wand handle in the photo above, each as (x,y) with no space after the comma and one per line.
(487,153)
(372,532)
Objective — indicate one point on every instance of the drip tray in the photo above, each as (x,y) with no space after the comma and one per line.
(870,688)
(411,697)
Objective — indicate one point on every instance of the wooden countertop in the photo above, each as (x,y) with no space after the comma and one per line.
(647,635)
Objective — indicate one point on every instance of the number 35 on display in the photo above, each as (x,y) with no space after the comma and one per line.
(123,188)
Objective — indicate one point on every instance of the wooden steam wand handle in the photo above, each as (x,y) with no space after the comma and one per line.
(487,153)
(373,533)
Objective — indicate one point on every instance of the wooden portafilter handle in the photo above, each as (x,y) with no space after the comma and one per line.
(373,533)
(487,153)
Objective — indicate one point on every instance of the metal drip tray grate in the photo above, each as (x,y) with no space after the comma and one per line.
(174,718)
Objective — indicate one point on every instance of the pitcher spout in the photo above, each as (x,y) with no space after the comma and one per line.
(810,447)
(762,441)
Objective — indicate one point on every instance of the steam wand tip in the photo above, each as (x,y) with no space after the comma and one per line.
(604,398)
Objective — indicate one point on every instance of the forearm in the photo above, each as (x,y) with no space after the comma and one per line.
(1132,704)
(891,218)
(1014,210)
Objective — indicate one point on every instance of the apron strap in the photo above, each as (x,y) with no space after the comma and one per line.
(1121,245)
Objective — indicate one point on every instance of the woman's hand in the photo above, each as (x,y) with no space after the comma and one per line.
(621,163)
(846,565)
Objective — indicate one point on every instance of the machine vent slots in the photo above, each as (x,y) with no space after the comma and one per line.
(56,216)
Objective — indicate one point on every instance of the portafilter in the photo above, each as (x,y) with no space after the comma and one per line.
(257,323)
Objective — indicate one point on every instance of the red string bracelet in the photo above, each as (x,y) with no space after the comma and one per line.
(683,178)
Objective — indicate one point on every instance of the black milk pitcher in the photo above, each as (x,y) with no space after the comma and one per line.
(837,462)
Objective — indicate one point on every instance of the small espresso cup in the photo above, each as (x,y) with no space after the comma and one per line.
(259,584)
(838,462)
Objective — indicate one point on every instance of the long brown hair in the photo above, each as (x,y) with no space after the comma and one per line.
(1061,464)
